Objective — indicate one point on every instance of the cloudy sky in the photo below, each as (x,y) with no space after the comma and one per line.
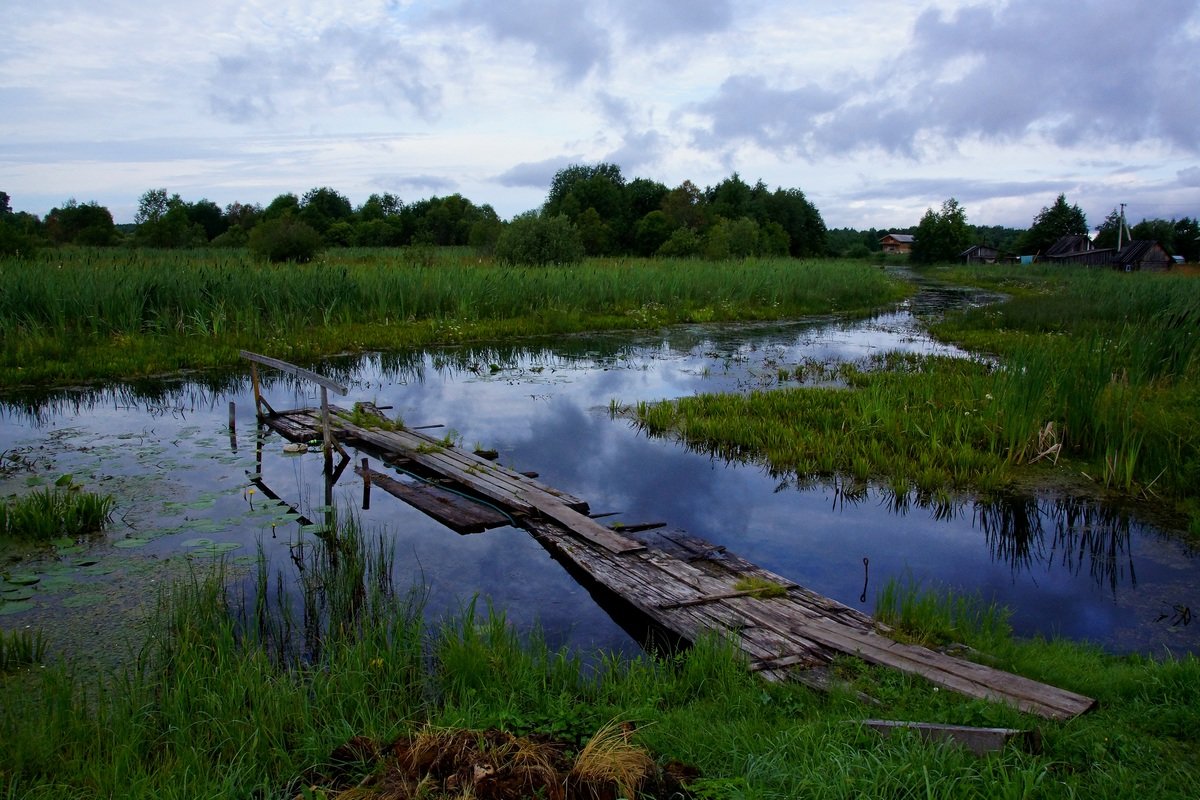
(877,110)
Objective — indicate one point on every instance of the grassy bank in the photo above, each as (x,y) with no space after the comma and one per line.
(218,706)
(78,315)
(1094,371)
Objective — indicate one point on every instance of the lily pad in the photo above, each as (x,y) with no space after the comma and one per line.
(86,562)
(98,569)
(17,594)
(200,542)
(15,608)
(23,579)
(215,549)
(57,583)
(126,544)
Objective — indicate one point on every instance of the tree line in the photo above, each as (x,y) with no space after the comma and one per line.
(590,210)
(593,209)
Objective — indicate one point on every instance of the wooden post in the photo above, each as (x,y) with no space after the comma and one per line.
(232,426)
(257,393)
(326,430)
(366,475)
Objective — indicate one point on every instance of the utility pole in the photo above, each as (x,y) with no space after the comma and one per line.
(1121,227)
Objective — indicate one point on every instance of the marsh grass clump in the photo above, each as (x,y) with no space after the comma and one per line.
(53,512)
(20,649)
(934,618)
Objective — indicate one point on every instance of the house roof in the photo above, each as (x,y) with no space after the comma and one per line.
(1068,245)
(979,248)
(1136,250)
(903,238)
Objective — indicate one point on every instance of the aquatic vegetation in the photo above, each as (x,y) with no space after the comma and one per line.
(49,513)
(110,314)
(21,649)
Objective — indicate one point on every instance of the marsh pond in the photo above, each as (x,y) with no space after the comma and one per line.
(181,475)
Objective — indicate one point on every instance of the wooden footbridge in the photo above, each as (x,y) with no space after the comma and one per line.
(679,584)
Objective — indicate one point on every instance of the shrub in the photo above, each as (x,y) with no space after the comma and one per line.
(539,241)
(285,239)
(683,243)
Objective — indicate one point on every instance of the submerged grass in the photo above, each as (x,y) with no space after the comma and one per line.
(210,709)
(95,314)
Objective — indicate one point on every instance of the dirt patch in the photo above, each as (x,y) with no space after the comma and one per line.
(494,765)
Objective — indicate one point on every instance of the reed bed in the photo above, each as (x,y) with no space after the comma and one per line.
(209,709)
(115,313)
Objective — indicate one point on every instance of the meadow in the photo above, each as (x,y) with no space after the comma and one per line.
(218,705)
(76,315)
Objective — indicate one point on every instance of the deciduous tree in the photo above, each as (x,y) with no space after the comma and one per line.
(1052,223)
(941,235)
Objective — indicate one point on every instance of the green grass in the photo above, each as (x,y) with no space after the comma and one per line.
(214,707)
(76,315)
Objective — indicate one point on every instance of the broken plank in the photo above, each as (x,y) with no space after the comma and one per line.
(581,525)
(456,512)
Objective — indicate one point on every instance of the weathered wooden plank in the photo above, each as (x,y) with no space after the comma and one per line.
(452,510)
(712,598)
(507,494)
(414,440)
(979,741)
(793,638)
(584,526)
(969,678)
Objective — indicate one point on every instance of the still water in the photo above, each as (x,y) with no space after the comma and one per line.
(1066,567)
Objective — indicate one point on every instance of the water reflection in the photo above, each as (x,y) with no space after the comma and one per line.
(1065,566)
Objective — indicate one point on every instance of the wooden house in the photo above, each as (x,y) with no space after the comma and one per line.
(1076,249)
(896,243)
(980,254)
(1142,254)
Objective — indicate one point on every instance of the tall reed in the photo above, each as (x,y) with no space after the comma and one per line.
(78,313)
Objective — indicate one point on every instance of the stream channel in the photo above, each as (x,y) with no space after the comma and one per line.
(1065,566)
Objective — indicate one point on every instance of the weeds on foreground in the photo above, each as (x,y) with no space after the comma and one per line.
(97,314)
(214,707)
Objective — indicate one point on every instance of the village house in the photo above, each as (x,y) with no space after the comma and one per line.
(979,254)
(896,243)
(1142,254)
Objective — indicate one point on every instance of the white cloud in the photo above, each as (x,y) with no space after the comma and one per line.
(877,110)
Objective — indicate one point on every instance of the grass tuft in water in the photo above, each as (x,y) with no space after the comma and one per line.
(54,512)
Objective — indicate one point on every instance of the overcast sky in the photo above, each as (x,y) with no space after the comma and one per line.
(876,110)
